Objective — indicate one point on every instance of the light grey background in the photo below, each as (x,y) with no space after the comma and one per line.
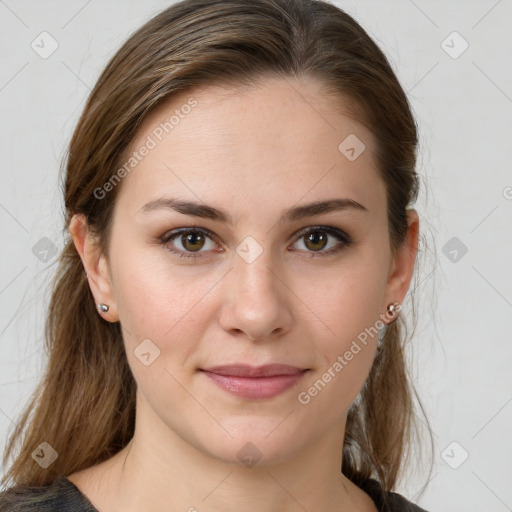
(461,353)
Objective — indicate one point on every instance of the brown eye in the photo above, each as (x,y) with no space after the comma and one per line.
(193,241)
(315,240)
(190,240)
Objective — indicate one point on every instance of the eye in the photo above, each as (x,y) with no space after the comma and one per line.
(190,239)
(314,239)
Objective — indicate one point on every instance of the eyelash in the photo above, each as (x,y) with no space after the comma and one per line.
(346,240)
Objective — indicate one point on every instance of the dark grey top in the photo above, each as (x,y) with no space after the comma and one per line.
(63,496)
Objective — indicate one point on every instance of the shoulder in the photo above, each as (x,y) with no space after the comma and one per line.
(59,496)
(390,501)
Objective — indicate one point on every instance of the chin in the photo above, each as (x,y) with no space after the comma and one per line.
(255,441)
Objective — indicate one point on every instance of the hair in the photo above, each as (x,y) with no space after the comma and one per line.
(84,406)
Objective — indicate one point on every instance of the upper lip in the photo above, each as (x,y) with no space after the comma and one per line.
(244,370)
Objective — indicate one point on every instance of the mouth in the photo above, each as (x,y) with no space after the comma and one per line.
(255,382)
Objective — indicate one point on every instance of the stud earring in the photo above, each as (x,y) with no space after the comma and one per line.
(391,310)
(103,308)
(394,308)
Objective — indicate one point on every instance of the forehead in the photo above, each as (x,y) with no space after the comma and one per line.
(255,142)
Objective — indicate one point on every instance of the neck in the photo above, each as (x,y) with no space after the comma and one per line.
(158,470)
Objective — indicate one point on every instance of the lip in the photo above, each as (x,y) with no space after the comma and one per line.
(255,382)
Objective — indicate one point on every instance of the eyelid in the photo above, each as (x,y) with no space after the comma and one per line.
(175,232)
(328,229)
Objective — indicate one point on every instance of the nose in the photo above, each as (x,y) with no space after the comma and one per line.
(256,299)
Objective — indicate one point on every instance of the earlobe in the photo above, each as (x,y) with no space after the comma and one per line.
(96,269)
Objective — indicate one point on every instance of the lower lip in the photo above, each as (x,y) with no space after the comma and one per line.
(255,387)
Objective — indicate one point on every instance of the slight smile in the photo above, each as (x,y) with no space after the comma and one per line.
(255,382)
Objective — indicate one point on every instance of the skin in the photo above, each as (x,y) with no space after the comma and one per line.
(254,152)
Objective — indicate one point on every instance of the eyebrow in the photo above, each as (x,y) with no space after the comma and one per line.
(202,210)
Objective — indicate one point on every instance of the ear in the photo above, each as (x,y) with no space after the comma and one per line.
(95,265)
(402,266)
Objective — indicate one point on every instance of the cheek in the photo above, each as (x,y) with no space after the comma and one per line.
(349,309)
(351,300)
(153,296)
(344,356)
(162,314)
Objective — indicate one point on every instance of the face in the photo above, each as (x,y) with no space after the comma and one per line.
(241,283)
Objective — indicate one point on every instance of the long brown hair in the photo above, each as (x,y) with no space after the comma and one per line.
(84,407)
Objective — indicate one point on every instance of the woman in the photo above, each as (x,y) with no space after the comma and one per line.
(224,330)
